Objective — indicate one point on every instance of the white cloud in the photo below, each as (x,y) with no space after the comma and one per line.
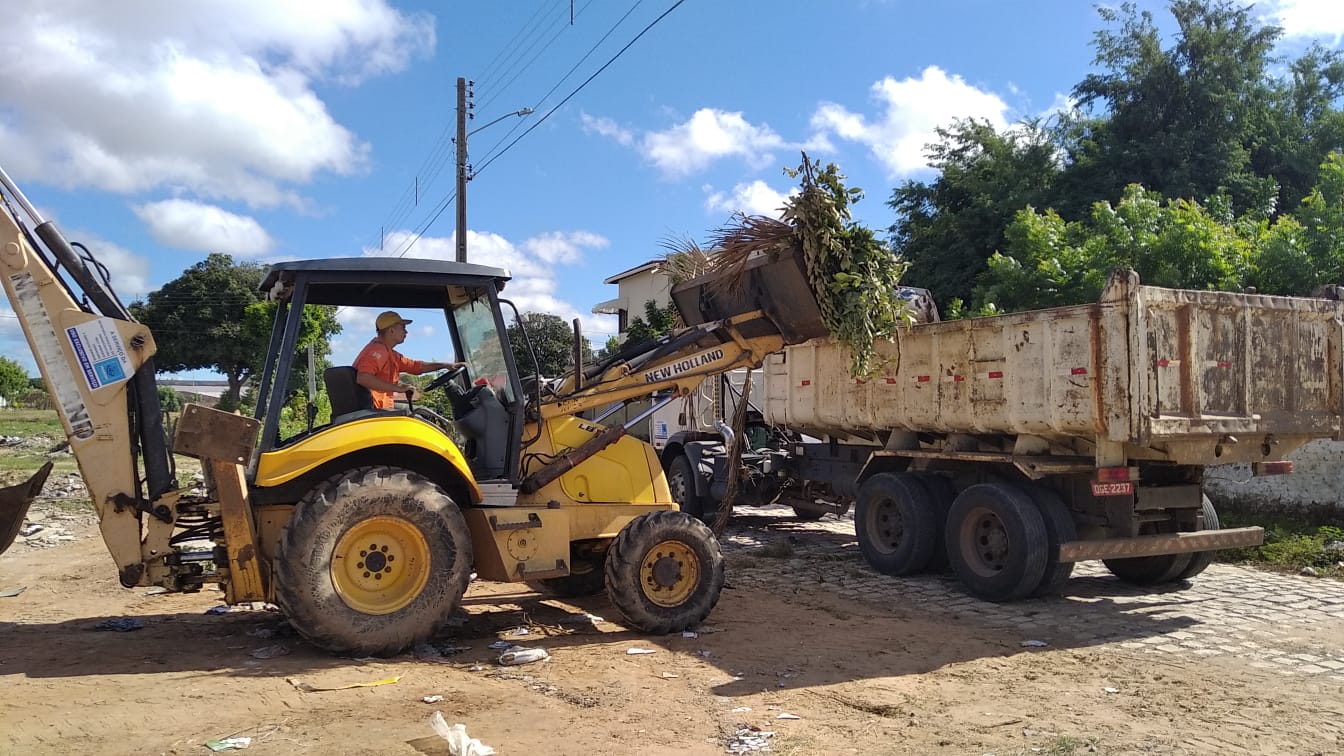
(607,128)
(912,110)
(707,136)
(1308,18)
(532,287)
(756,198)
(215,99)
(204,228)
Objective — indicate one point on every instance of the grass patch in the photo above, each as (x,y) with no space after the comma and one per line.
(1290,545)
(28,422)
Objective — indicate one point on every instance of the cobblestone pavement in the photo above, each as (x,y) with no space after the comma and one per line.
(1287,624)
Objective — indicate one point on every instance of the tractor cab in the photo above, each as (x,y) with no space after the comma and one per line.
(469,418)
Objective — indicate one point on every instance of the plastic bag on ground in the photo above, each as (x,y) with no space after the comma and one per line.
(459,743)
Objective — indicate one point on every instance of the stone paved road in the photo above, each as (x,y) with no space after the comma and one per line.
(1285,623)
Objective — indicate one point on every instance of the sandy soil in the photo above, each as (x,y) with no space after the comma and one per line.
(853,678)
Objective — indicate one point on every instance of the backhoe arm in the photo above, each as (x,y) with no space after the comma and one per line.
(97,363)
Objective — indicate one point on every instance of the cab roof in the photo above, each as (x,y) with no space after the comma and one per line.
(379,281)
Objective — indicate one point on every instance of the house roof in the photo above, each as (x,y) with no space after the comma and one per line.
(650,265)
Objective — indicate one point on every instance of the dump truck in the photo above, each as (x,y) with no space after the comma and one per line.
(365,525)
(1012,447)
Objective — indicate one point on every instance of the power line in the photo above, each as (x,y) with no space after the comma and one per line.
(585,83)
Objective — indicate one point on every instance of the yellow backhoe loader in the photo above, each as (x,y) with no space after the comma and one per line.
(365,527)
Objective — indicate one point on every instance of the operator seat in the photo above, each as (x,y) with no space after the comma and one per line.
(344,391)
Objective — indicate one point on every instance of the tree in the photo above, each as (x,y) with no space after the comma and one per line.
(948,227)
(213,317)
(553,341)
(14,381)
(656,323)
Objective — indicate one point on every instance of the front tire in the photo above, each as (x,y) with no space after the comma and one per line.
(664,572)
(372,562)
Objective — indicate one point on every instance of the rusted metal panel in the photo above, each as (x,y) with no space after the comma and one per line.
(207,433)
(1198,377)
(1151,545)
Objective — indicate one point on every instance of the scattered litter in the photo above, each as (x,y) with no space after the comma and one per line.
(459,742)
(638,651)
(156,590)
(669,675)
(786,715)
(593,618)
(500,645)
(689,634)
(1308,572)
(741,709)
(1111,690)
(228,744)
(306,688)
(120,625)
(432,699)
(428,652)
(30,529)
(706,653)
(221,609)
(516,655)
(750,740)
(476,668)
(520,631)
(270,652)
(1033,644)
(12,592)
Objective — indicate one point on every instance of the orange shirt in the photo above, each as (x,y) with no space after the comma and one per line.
(381,361)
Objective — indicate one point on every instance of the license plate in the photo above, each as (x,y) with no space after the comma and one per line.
(1112,489)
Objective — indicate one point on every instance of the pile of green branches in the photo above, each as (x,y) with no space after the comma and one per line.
(854,275)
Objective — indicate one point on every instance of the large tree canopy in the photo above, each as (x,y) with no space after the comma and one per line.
(213,317)
(553,341)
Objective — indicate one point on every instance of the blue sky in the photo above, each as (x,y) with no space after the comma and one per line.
(158,132)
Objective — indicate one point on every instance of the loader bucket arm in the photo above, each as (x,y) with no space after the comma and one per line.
(14,503)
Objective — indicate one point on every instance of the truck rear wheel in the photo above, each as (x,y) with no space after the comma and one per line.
(896,523)
(942,493)
(1200,560)
(372,562)
(1059,528)
(997,541)
(664,572)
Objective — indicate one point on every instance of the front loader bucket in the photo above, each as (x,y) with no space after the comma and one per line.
(776,284)
(14,503)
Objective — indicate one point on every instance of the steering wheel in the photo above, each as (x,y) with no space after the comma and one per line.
(445,379)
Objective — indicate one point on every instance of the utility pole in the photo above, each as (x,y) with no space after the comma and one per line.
(461,169)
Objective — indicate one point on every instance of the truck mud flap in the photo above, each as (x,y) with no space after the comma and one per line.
(1166,543)
(14,503)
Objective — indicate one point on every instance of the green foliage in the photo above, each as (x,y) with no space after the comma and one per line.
(552,340)
(656,323)
(14,381)
(948,227)
(854,275)
(169,399)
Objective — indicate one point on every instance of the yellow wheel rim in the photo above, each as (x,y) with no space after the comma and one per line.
(381,564)
(669,573)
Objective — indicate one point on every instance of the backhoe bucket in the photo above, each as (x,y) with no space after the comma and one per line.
(774,284)
(14,503)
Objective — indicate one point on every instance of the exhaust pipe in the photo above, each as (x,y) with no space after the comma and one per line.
(14,503)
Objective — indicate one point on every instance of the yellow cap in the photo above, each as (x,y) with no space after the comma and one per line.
(389,319)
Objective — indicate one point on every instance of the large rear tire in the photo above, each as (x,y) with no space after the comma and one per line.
(372,562)
(896,523)
(1200,560)
(997,541)
(664,572)
(942,493)
(1059,528)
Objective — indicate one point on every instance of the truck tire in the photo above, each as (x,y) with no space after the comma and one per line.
(584,579)
(1200,560)
(942,494)
(664,572)
(1149,570)
(896,523)
(372,562)
(1059,528)
(681,481)
(997,541)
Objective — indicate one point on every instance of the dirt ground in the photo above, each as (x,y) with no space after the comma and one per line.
(825,674)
